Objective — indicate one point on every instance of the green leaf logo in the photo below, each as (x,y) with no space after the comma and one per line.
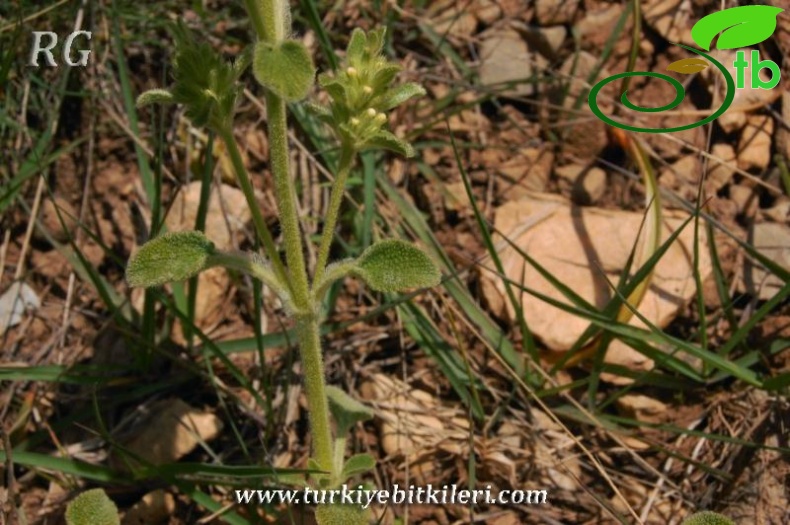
(286,69)
(395,265)
(742,26)
(169,257)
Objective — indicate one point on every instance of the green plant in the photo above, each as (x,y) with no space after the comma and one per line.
(92,507)
(360,95)
(707,518)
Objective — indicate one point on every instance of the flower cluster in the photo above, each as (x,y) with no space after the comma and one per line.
(361,95)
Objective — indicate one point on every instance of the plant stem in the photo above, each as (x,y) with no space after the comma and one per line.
(286,197)
(275,26)
(313,369)
(249,193)
(335,199)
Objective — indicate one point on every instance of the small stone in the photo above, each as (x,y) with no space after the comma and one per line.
(552,12)
(505,58)
(745,200)
(545,40)
(773,241)
(569,172)
(486,11)
(720,173)
(642,408)
(754,147)
(779,212)
(590,187)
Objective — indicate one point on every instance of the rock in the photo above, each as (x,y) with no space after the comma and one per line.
(642,408)
(486,11)
(505,58)
(720,172)
(746,201)
(170,430)
(773,241)
(754,147)
(552,12)
(15,301)
(48,215)
(672,19)
(569,172)
(573,243)
(782,133)
(153,509)
(526,172)
(545,40)
(779,212)
(584,135)
(598,24)
(448,17)
(590,187)
(227,213)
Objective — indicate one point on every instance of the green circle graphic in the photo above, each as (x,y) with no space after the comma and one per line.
(680,94)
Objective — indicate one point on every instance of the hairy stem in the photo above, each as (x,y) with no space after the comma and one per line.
(338,188)
(313,369)
(286,197)
(276,24)
(249,193)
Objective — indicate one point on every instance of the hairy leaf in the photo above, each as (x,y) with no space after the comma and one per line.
(400,94)
(357,464)
(286,69)
(169,257)
(346,410)
(395,265)
(386,140)
(92,507)
(341,515)
(707,518)
(154,96)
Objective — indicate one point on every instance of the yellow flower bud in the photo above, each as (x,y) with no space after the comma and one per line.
(367,90)
(351,71)
(371,112)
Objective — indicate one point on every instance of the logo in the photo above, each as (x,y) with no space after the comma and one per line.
(739,27)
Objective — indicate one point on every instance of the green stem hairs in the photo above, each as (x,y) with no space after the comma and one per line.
(360,95)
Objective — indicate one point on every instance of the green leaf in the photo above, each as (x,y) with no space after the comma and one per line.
(287,69)
(707,518)
(357,464)
(400,94)
(346,410)
(395,265)
(341,515)
(356,45)
(170,257)
(204,82)
(92,507)
(154,96)
(743,26)
(385,140)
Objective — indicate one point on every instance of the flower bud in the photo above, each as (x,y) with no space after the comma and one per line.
(371,112)
(367,90)
(351,71)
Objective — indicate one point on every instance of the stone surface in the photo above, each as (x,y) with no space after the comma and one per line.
(552,12)
(773,241)
(505,58)
(574,244)
(754,146)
